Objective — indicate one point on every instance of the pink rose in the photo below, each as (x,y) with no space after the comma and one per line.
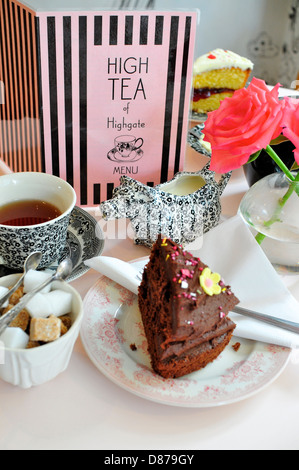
(244,124)
(291,123)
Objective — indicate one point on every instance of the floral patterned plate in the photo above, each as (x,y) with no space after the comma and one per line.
(113,337)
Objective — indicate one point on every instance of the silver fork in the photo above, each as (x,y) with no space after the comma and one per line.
(278,322)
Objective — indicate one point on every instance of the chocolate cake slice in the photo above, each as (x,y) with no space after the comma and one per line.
(184,308)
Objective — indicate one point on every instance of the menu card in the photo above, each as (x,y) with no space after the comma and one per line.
(94,95)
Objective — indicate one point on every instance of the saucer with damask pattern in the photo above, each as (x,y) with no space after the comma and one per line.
(113,337)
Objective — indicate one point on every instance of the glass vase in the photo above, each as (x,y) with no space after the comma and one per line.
(271,210)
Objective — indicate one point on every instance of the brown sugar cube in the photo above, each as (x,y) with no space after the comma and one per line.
(67,321)
(21,321)
(16,296)
(64,329)
(33,344)
(7,309)
(45,329)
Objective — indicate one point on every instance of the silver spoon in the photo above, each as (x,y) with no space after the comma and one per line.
(63,272)
(32,262)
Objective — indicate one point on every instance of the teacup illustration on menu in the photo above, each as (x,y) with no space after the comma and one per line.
(127,149)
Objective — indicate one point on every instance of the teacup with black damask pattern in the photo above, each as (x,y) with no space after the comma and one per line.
(17,242)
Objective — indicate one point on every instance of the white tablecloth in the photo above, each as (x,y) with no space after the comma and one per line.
(82,409)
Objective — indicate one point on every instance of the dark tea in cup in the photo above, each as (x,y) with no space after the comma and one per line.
(35,211)
(30,212)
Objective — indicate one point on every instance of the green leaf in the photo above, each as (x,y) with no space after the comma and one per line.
(296,181)
(295,167)
(279,140)
(254,156)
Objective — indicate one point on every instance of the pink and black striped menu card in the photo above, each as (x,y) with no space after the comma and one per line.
(90,96)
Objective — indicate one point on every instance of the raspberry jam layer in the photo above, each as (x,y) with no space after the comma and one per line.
(204,93)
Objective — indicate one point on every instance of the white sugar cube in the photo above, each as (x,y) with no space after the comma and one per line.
(3,291)
(34,279)
(14,338)
(60,302)
(39,306)
(56,302)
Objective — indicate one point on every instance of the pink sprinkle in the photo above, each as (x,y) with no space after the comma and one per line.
(186,273)
(222,315)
